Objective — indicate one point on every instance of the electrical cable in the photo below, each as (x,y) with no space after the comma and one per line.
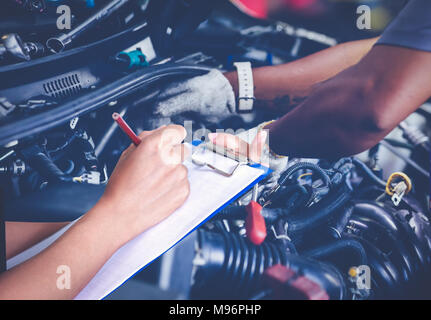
(400,144)
(369,173)
(340,245)
(406,159)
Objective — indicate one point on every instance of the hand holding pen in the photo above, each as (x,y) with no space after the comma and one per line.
(144,187)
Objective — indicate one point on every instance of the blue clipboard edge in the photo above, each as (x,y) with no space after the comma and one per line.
(240,194)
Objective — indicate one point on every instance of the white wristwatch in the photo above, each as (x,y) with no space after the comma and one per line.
(246,87)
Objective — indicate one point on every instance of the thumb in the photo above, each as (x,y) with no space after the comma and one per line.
(257,146)
(230,142)
(144,134)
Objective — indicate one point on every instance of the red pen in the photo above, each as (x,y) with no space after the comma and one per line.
(126,128)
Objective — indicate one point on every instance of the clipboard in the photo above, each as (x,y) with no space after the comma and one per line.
(204,147)
(144,249)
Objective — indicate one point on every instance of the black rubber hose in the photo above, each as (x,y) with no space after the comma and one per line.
(22,24)
(394,249)
(270,214)
(397,256)
(323,274)
(320,212)
(232,267)
(407,242)
(94,100)
(337,247)
(295,194)
(384,275)
(71,202)
(342,220)
(303,166)
(47,168)
(369,173)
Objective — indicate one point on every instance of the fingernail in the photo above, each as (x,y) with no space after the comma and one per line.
(212,136)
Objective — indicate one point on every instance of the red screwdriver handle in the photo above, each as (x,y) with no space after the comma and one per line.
(255,223)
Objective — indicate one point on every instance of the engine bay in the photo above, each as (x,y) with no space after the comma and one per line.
(328,222)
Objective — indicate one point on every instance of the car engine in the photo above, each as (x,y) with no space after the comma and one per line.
(355,228)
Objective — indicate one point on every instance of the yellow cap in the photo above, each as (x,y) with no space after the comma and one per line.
(353,272)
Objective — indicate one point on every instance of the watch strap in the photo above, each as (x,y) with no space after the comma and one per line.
(246,87)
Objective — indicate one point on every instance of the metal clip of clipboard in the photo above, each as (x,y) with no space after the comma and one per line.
(240,159)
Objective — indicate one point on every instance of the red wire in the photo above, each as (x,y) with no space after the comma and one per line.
(125,127)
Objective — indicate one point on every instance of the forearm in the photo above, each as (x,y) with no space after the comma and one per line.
(331,123)
(354,110)
(147,185)
(23,235)
(279,88)
(84,248)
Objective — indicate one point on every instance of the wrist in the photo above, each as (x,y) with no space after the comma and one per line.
(232,77)
(105,218)
(246,98)
(272,141)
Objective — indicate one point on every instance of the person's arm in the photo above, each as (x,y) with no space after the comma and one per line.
(282,87)
(278,89)
(147,185)
(22,235)
(357,108)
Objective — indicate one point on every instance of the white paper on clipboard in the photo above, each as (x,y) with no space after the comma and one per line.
(209,192)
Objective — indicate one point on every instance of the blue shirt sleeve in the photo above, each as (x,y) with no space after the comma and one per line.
(411,28)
